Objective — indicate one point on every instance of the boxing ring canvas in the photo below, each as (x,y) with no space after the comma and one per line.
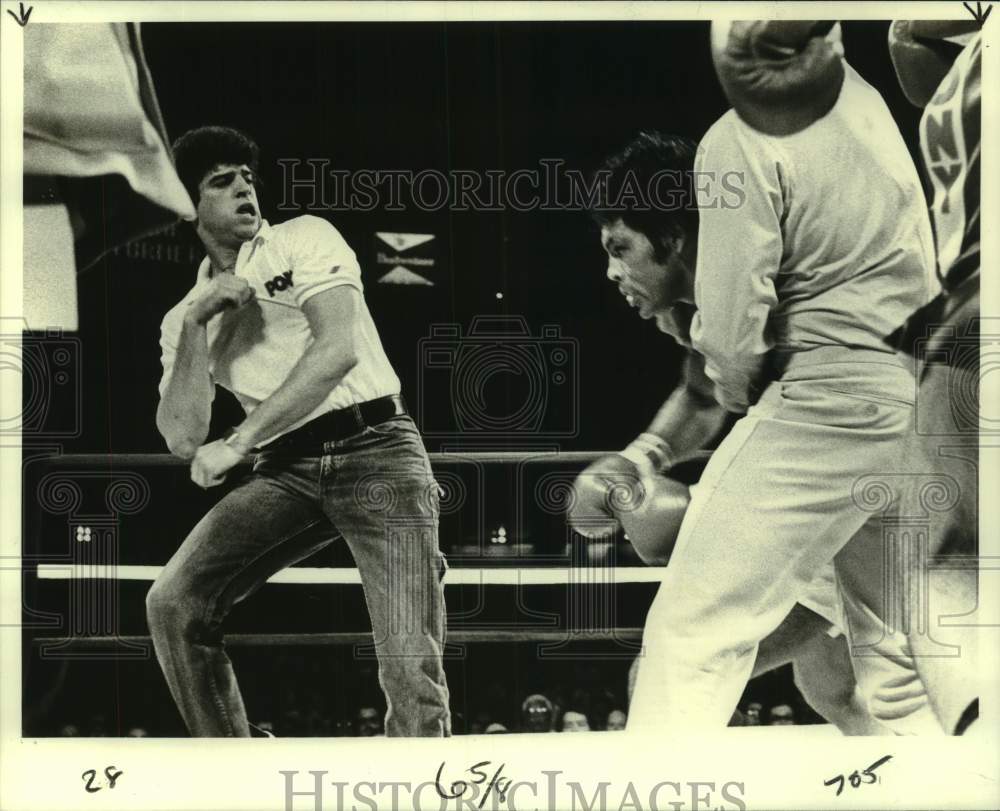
(453,147)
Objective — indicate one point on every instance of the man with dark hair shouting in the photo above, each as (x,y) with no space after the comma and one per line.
(277,317)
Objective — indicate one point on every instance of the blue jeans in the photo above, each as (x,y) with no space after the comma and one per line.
(377,491)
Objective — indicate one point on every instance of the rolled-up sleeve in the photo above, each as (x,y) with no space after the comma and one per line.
(739,254)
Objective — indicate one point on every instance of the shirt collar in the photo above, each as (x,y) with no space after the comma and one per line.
(264,233)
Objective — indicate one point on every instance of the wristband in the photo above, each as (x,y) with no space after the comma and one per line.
(649,451)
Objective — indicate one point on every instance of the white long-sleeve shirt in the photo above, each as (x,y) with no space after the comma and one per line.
(830,246)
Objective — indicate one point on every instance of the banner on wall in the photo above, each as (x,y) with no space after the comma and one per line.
(406,259)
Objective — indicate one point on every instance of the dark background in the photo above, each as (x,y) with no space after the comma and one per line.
(444,97)
(391,96)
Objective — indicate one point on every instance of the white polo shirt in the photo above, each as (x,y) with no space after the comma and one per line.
(252,350)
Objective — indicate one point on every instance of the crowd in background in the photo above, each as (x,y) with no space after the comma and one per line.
(538,714)
(324,693)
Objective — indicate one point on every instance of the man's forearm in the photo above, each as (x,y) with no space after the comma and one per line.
(185,408)
(738,387)
(688,421)
(316,374)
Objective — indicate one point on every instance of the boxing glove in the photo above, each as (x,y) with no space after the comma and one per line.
(600,493)
(653,527)
(921,57)
(653,524)
(779,76)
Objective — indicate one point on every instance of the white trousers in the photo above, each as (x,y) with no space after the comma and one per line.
(885,669)
(785,491)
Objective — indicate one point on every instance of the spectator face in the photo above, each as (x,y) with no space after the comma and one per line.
(753,714)
(137,732)
(616,719)
(70,731)
(782,715)
(575,722)
(536,714)
(368,722)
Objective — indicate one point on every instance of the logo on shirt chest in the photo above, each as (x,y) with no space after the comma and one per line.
(279,283)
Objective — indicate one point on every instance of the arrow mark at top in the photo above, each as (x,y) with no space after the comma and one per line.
(978,14)
(22,19)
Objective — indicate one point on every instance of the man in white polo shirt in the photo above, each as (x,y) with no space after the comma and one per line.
(278,318)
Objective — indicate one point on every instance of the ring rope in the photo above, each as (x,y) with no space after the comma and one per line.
(480,457)
(456,636)
(310,575)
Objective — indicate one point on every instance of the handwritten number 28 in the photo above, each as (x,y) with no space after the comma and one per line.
(111,773)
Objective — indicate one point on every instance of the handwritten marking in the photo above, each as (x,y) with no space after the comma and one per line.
(978,13)
(112,774)
(499,785)
(25,15)
(855,778)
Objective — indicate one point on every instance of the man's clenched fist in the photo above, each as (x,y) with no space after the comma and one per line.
(224,291)
(212,462)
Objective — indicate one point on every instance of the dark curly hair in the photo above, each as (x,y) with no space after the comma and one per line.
(658,168)
(200,150)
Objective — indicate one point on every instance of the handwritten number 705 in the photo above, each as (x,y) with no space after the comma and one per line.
(856,778)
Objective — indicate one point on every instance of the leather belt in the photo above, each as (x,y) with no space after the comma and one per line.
(340,424)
